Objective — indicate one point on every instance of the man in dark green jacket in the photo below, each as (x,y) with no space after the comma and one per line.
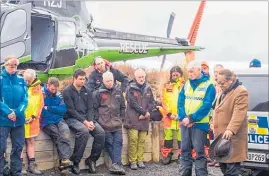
(109,107)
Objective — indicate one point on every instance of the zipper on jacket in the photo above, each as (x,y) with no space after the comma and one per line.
(14,123)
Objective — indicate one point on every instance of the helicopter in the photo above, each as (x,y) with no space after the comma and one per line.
(56,37)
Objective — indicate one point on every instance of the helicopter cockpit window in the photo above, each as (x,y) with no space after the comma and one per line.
(11,30)
(66,35)
(9,50)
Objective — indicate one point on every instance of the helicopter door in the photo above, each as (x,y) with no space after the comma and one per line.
(16,32)
(66,54)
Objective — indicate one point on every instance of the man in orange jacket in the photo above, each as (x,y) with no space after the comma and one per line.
(169,111)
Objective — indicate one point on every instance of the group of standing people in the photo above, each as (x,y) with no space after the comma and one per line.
(95,109)
(98,109)
(200,105)
(226,100)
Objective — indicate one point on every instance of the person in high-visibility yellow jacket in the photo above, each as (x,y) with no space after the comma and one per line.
(194,104)
(32,115)
(169,111)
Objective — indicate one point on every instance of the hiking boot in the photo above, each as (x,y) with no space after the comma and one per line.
(6,170)
(141,165)
(133,166)
(75,168)
(32,168)
(92,165)
(24,170)
(187,172)
(122,171)
(117,169)
(167,160)
(65,163)
(178,159)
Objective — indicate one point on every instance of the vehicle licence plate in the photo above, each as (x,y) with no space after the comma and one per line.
(256,157)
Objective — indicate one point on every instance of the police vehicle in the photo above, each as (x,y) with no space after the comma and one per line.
(256,82)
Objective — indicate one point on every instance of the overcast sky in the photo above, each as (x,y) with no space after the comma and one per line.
(234,31)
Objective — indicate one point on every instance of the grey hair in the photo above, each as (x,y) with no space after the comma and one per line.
(29,73)
(219,65)
(107,74)
(139,70)
(194,64)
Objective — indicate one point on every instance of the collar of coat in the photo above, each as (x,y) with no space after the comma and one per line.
(234,85)
(134,85)
(4,73)
(103,88)
(223,97)
(83,89)
(35,83)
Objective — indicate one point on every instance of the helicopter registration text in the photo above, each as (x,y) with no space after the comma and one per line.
(55,4)
(137,48)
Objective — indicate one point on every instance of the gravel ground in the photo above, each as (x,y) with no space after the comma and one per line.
(153,169)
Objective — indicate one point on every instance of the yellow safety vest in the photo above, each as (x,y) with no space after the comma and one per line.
(194,99)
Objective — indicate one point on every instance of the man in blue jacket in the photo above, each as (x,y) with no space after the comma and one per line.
(52,122)
(13,102)
(194,104)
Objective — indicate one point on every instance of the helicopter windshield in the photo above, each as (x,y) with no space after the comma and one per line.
(11,31)
(66,35)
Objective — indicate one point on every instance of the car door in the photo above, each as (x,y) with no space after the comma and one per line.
(258,119)
(16,32)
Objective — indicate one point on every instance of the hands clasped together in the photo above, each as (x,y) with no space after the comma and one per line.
(186,122)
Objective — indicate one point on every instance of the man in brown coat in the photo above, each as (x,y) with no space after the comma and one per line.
(230,118)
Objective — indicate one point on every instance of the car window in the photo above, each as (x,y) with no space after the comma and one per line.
(257,86)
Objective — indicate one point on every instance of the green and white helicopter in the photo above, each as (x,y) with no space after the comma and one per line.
(57,37)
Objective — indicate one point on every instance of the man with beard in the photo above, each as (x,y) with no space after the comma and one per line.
(52,122)
(80,119)
(230,118)
(109,104)
(140,103)
(101,66)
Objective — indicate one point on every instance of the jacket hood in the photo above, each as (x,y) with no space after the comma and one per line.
(204,77)
(104,88)
(35,83)
(135,85)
